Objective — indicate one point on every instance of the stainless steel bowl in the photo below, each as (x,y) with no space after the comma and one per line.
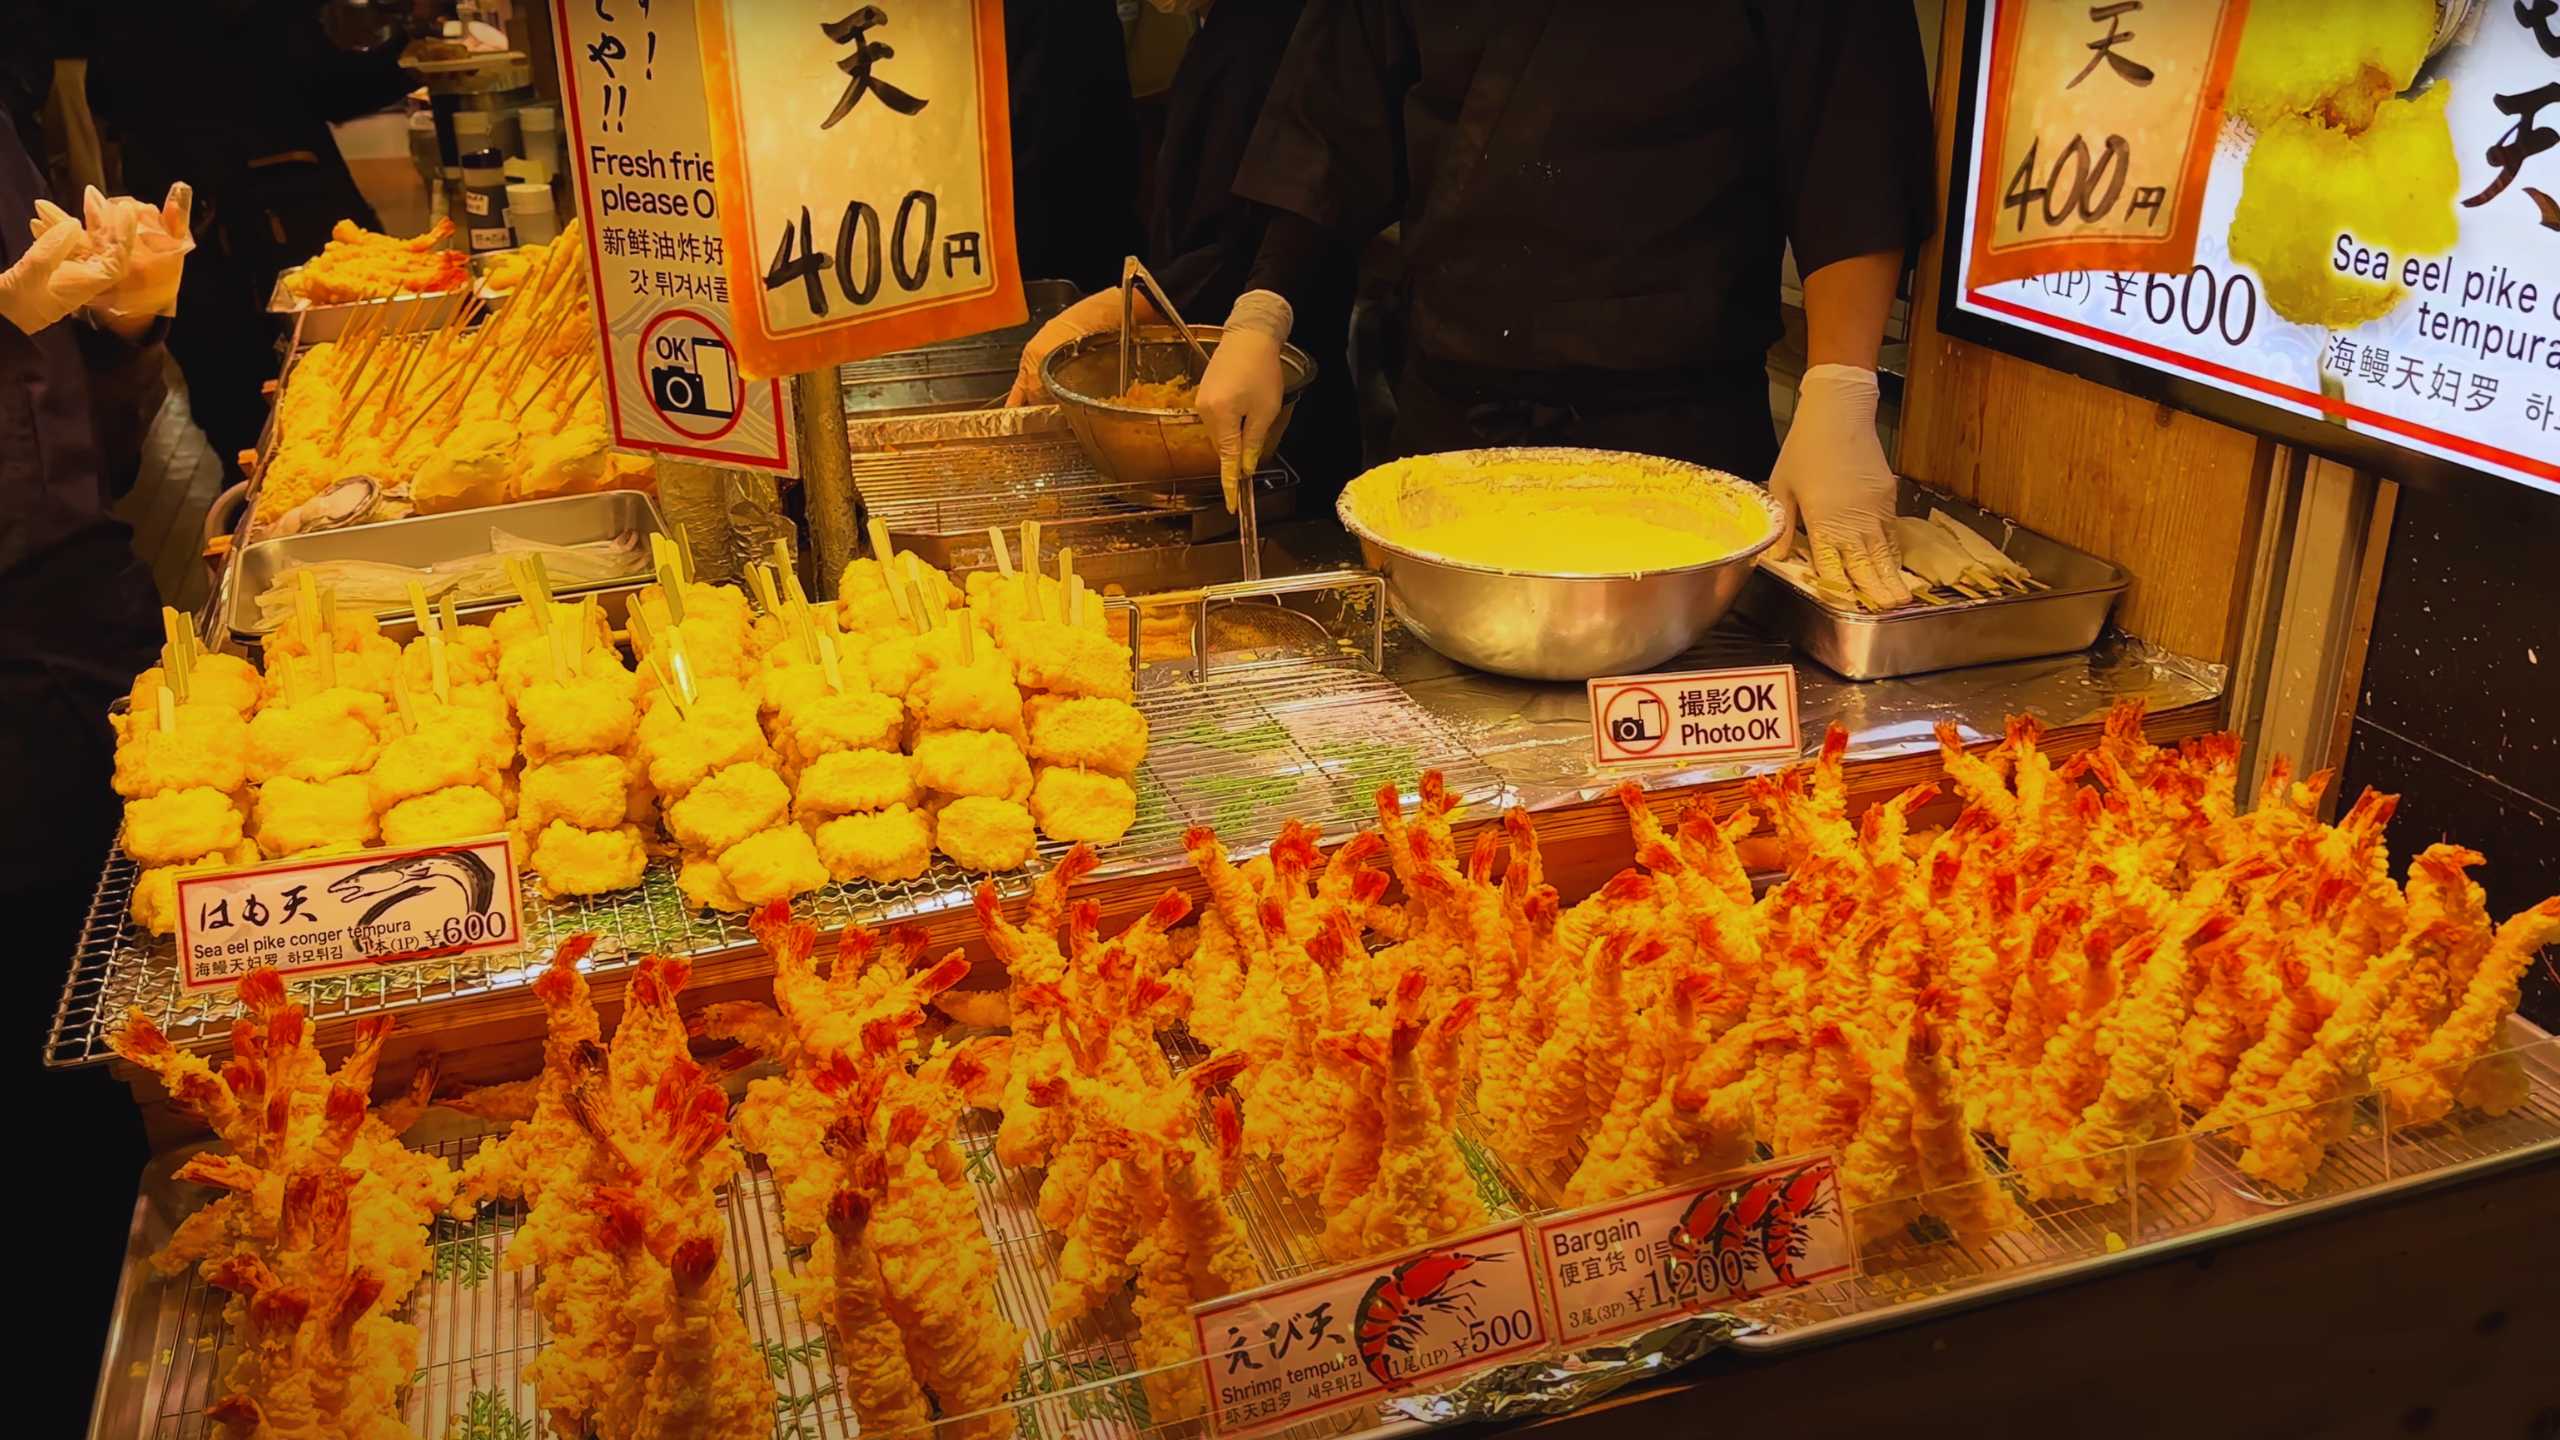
(1557,626)
(1138,446)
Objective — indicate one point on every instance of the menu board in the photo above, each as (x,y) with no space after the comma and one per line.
(2339,224)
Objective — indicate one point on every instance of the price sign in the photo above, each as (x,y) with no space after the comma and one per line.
(2099,125)
(866,174)
(1702,715)
(348,912)
(640,143)
(1620,1267)
(1275,1356)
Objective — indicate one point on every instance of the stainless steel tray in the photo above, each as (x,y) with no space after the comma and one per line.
(1860,646)
(429,539)
(962,374)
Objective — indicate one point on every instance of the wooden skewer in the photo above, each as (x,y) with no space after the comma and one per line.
(881,550)
(570,405)
(1004,556)
(548,376)
(684,552)
(165,704)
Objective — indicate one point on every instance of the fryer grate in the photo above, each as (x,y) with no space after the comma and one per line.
(1041,476)
(1241,753)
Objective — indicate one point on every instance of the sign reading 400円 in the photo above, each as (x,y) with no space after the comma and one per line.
(865,175)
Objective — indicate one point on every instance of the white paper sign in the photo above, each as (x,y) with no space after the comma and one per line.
(348,912)
(1706,714)
(1275,1356)
(648,199)
(1629,1264)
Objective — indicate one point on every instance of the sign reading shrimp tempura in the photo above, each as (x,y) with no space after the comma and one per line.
(349,912)
(1623,1266)
(1275,1356)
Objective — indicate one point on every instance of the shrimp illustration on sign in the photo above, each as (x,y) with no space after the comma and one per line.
(1723,1228)
(1392,1314)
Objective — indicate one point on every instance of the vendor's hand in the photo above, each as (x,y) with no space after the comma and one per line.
(1240,394)
(161,237)
(64,269)
(1832,469)
(1095,314)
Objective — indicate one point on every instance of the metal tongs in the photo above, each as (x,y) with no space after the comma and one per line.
(1235,480)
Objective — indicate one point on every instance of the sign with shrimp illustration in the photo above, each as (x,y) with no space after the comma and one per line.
(1275,1356)
(1620,1267)
(349,912)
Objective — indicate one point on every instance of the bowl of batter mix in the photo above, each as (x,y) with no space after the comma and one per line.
(1556,563)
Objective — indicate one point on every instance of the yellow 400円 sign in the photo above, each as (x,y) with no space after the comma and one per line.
(865,175)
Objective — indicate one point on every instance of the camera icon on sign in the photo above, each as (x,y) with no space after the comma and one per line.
(1645,724)
(698,378)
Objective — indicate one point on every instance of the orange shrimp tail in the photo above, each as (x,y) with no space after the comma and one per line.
(262,990)
(623,1221)
(848,1212)
(768,921)
(1390,803)
(1217,1070)
(1275,919)
(1170,910)
(854,951)
(950,971)
(990,909)
(1544,907)
(1327,948)
(692,1264)
(1436,798)
(1409,988)
(1488,848)
(1363,846)
(909,944)
(2447,862)
(1198,842)
(1936,1000)
(1226,1123)
(1369,885)
(1294,852)
(1402,1039)
(1628,887)
(906,1126)
(966,1070)
(1079,862)
(1835,744)
(1459,1016)
(363,1288)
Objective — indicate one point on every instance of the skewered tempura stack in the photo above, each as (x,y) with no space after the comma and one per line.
(618,1151)
(320,1228)
(577,715)
(180,766)
(853,789)
(478,411)
(857,1131)
(317,734)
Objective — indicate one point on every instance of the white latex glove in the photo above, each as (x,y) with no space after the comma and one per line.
(63,270)
(1832,469)
(1095,314)
(1241,391)
(162,236)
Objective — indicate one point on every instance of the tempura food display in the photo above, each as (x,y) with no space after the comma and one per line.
(764,750)
(360,264)
(319,1228)
(491,406)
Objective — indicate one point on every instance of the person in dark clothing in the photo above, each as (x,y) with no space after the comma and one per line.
(269,181)
(78,619)
(1075,141)
(1202,237)
(1594,205)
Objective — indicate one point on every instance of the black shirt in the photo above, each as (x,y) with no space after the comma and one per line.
(1603,187)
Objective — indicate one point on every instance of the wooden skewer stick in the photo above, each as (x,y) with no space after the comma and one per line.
(545,382)
(1004,555)
(881,550)
(483,353)
(683,552)
(570,405)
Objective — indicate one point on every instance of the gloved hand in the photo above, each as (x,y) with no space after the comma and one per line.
(1832,469)
(1241,391)
(64,269)
(1095,314)
(162,236)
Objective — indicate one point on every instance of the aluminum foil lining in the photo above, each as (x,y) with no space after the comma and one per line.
(1537,737)
(910,432)
(1556,1383)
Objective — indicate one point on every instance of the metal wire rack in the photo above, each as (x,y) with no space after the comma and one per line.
(478,1329)
(1039,475)
(1310,741)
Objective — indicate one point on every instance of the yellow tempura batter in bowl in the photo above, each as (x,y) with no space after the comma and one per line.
(1555,563)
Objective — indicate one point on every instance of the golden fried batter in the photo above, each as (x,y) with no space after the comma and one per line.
(779,864)
(585,790)
(180,825)
(572,861)
(735,802)
(298,815)
(850,781)
(1072,804)
(1098,734)
(972,762)
(892,844)
(460,812)
(984,834)
(2330,62)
